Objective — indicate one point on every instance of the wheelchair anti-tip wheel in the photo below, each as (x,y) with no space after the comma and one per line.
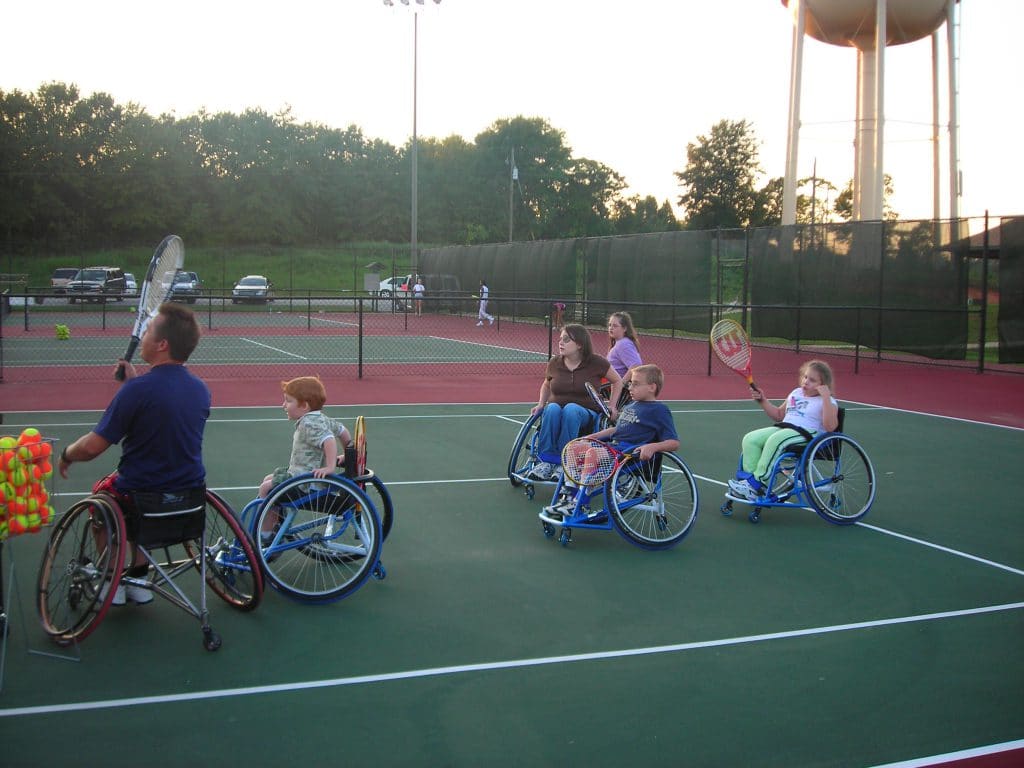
(323,538)
(839,479)
(653,503)
(81,564)
(232,567)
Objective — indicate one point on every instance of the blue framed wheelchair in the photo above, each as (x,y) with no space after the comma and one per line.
(84,559)
(829,473)
(525,454)
(652,504)
(319,538)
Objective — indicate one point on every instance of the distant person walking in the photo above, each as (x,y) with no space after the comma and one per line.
(482,314)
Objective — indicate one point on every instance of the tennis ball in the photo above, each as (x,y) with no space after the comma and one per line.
(45,450)
(18,476)
(29,435)
(18,524)
(47,468)
(24,453)
(62,331)
(7,443)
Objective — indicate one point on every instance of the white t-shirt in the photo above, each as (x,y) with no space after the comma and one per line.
(803,411)
(418,290)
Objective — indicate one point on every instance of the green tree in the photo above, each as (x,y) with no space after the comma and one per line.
(718,181)
(634,215)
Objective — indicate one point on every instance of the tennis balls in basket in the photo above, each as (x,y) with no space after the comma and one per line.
(62,332)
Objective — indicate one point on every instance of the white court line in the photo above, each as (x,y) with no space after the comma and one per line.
(530,352)
(952,757)
(941,548)
(498,665)
(275,349)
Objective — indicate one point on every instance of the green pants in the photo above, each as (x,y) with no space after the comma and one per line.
(761,446)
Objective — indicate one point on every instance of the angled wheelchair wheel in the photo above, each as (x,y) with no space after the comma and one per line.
(85,551)
(377,492)
(653,503)
(524,450)
(326,538)
(232,568)
(838,478)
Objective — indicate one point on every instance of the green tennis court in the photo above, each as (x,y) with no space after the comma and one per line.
(788,643)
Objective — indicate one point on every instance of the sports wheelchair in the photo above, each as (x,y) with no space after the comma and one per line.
(830,473)
(652,504)
(319,538)
(84,559)
(525,453)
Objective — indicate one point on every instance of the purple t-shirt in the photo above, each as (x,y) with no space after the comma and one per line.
(624,355)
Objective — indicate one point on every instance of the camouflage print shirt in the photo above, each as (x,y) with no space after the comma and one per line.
(307,444)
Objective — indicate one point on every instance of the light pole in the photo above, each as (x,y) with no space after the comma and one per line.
(414,206)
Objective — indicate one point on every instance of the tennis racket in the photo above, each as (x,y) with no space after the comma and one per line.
(598,400)
(168,258)
(732,345)
(588,462)
(359,438)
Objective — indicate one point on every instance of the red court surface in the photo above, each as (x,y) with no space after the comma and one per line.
(997,398)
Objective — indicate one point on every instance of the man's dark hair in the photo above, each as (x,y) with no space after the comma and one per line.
(180,329)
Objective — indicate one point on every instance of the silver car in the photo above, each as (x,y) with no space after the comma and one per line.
(254,288)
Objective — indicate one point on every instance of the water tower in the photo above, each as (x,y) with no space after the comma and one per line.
(869,26)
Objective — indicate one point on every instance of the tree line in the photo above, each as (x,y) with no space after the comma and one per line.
(81,172)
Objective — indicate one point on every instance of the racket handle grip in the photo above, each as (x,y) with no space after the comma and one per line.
(350,461)
(119,372)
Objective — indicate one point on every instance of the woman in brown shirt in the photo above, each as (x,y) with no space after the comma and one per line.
(568,409)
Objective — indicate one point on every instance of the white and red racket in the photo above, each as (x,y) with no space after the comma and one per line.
(732,345)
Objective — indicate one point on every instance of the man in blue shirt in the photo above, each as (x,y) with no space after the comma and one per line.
(158,418)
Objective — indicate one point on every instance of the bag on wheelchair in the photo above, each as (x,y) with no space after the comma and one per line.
(162,518)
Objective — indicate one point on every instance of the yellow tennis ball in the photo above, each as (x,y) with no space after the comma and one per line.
(7,442)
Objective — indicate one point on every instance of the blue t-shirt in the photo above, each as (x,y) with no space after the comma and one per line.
(160,417)
(643,422)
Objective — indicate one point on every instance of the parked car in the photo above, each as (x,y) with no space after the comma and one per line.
(96,284)
(131,288)
(254,288)
(187,287)
(396,286)
(61,277)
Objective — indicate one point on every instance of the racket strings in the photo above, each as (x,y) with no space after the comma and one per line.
(160,278)
(731,344)
(588,462)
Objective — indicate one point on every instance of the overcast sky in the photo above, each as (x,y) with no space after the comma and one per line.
(629,82)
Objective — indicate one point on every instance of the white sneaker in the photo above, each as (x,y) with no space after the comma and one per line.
(541,471)
(490,321)
(138,595)
(742,489)
(123,593)
(479,323)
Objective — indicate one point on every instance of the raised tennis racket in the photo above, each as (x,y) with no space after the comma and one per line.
(588,462)
(732,345)
(168,258)
(598,399)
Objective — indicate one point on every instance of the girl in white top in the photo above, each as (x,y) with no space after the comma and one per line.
(417,293)
(810,406)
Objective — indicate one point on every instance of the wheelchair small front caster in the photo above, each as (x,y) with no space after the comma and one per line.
(379,572)
(211,640)
(528,489)
(755,515)
(549,530)
(726,508)
(566,537)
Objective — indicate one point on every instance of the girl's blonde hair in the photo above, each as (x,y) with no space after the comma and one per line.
(823,369)
(306,389)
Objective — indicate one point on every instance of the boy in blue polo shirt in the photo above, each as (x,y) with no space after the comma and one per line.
(644,424)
